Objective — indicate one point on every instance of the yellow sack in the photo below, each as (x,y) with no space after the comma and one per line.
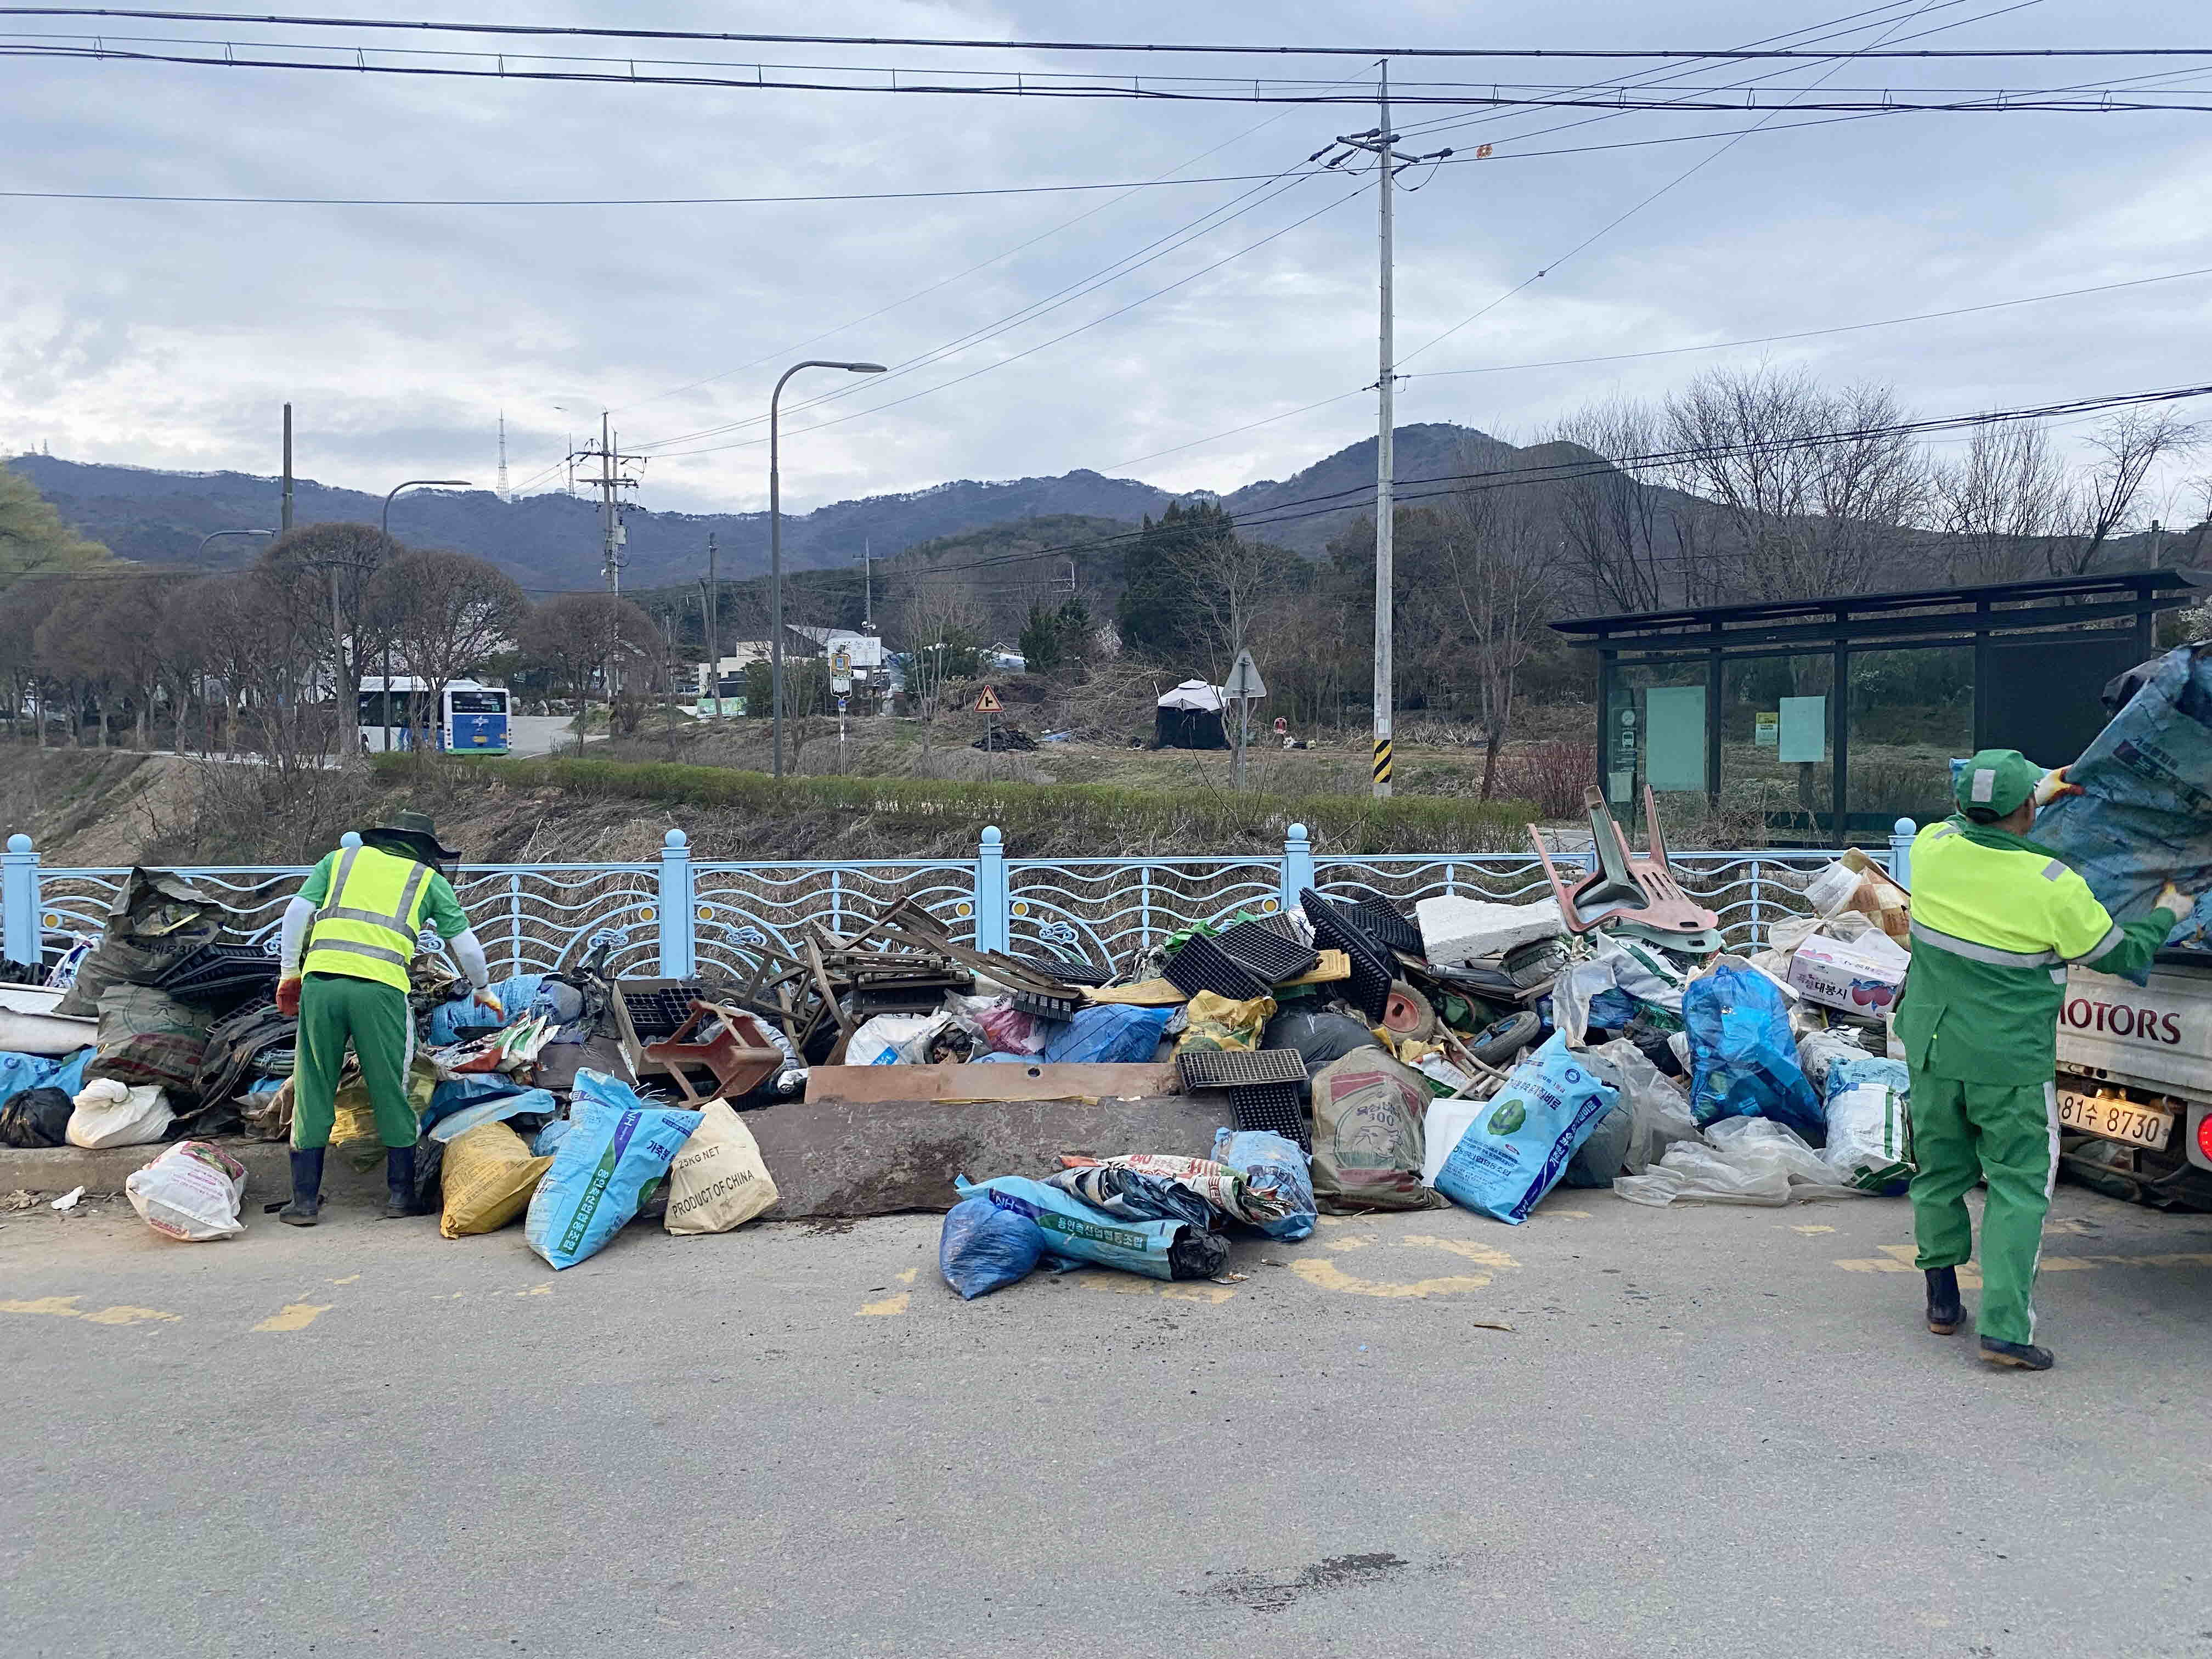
(489,1176)
(1218,1023)
(353,1121)
(717,1180)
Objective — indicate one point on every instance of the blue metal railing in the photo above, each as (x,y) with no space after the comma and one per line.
(678,916)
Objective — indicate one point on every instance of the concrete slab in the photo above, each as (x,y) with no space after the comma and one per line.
(49,1171)
(854,1158)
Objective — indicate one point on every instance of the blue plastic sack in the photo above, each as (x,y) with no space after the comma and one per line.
(1270,1160)
(1158,1249)
(984,1248)
(1743,1061)
(449,1097)
(454,1021)
(493,1109)
(1108,1035)
(2145,817)
(550,1137)
(616,1152)
(1521,1142)
(21,1072)
(68,1076)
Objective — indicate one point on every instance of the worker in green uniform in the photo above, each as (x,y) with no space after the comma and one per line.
(1995,919)
(357,919)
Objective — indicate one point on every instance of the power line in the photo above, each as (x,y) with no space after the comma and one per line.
(354,61)
(1155,47)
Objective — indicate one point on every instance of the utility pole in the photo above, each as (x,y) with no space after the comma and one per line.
(285,506)
(1380,143)
(868,589)
(713,647)
(612,481)
(505,494)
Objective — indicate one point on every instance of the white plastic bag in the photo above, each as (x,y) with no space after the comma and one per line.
(1445,1121)
(718,1182)
(1659,1106)
(880,1041)
(191,1192)
(1742,1160)
(1869,1134)
(111,1114)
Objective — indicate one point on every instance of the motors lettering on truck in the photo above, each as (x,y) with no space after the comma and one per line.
(2122,1019)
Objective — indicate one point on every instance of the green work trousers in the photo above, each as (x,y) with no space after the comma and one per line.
(2007,1134)
(336,1009)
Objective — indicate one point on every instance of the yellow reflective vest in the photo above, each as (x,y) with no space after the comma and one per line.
(368,923)
(1996,919)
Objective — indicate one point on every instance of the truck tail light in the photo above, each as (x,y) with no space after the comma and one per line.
(2204,1135)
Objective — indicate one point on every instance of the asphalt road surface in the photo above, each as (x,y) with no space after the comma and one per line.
(1709,1432)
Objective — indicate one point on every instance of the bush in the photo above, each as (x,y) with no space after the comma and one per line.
(1100,818)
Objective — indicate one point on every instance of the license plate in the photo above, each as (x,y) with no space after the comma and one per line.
(2115,1120)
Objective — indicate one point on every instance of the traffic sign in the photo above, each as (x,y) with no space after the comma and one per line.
(1244,681)
(988,704)
(841,669)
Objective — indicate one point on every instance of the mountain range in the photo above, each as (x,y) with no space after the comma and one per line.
(551,542)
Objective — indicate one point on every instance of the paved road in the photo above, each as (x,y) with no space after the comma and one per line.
(1714,1432)
(539,734)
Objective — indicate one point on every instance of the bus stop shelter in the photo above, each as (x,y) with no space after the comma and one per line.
(1827,719)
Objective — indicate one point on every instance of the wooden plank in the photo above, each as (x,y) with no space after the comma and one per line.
(946,1085)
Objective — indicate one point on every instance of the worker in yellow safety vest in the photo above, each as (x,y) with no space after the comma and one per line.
(357,920)
(1995,919)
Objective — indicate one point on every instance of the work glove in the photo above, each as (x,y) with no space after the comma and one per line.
(486,999)
(287,997)
(2053,787)
(2172,898)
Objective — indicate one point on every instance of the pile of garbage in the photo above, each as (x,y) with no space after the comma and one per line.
(1362,1057)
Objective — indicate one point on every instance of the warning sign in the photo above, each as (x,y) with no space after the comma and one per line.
(988,704)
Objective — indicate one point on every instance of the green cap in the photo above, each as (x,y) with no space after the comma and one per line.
(1997,781)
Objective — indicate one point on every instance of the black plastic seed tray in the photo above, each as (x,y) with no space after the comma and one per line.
(656,1016)
(1266,952)
(1389,926)
(1068,971)
(220,964)
(1274,1107)
(1369,987)
(1042,1006)
(1203,966)
(1239,1068)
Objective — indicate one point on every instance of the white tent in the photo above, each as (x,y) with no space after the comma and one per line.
(1195,696)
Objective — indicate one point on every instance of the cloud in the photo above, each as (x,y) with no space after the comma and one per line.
(169,334)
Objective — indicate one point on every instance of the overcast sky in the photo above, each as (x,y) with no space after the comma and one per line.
(168,335)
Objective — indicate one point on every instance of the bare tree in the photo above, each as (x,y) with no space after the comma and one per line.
(2132,443)
(331,565)
(446,614)
(581,640)
(2000,504)
(1814,493)
(1230,583)
(1609,520)
(1497,560)
(23,607)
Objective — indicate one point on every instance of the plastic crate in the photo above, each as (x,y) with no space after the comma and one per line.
(655,1016)
(1068,971)
(1202,966)
(1266,952)
(1037,1003)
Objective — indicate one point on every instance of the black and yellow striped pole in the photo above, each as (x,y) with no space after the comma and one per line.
(1382,766)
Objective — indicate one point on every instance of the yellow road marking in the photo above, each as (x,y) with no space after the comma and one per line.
(60,1306)
(350,1279)
(1324,1275)
(536,1290)
(1120,1284)
(1467,1247)
(888,1306)
(1547,1212)
(1812,1232)
(909,1275)
(64,1307)
(294,1316)
(1353,1243)
(122,1316)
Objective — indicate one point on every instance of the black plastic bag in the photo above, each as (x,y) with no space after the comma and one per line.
(36,1117)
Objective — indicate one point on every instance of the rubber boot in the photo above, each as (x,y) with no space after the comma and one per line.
(1944,1311)
(2025,1355)
(399,1181)
(307,1205)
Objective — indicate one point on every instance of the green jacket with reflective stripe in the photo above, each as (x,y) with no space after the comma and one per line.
(1995,919)
(366,926)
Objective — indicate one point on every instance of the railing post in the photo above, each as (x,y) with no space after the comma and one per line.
(1297,865)
(994,917)
(19,898)
(676,938)
(1900,851)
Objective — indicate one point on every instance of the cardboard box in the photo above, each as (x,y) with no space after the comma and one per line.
(1858,978)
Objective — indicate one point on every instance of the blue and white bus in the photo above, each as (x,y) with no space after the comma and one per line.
(471,718)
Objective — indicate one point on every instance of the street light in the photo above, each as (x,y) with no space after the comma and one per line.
(775,544)
(218,535)
(383,549)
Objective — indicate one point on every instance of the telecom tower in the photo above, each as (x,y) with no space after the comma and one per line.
(505,494)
